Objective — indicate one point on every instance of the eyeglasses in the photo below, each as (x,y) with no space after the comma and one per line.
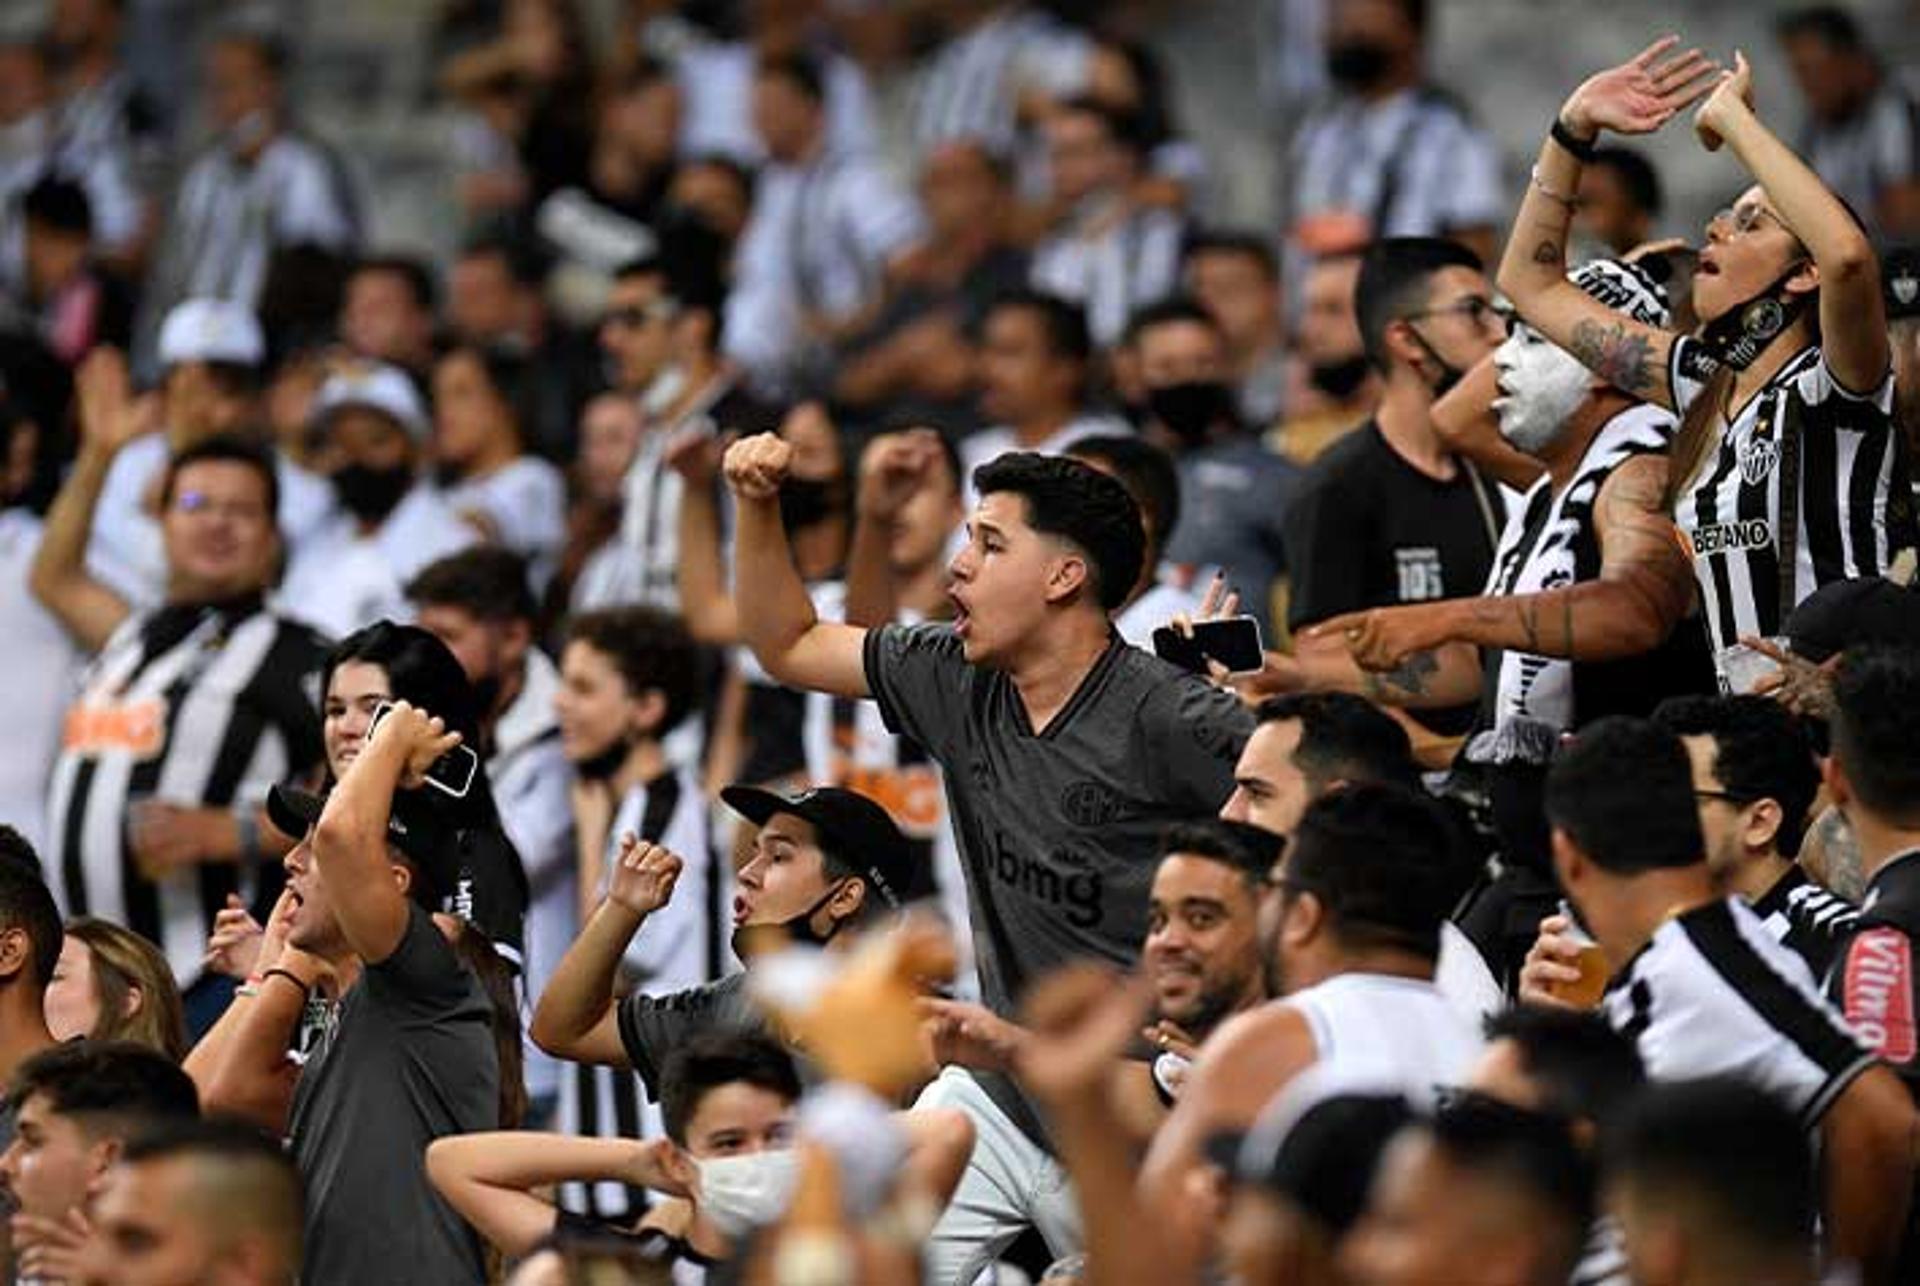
(1478,311)
(1738,801)
(1743,219)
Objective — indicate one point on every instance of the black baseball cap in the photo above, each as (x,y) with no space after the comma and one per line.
(1323,1159)
(413,826)
(851,827)
(1900,281)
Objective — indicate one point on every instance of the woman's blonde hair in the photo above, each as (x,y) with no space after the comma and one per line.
(123,963)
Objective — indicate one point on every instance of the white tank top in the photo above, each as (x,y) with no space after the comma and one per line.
(1398,1031)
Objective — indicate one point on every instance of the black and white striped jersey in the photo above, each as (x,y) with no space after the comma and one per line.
(678,947)
(204,706)
(971,88)
(1551,543)
(1714,994)
(1855,499)
(1808,919)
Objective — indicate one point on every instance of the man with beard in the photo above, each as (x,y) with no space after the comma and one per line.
(1582,615)
(391,521)
(1350,936)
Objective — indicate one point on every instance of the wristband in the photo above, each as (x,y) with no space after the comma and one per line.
(1582,149)
(290,976)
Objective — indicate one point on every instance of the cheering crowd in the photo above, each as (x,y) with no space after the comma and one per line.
(847,700)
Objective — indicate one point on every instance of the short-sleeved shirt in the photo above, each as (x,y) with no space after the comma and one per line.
(1855,498)
(1059,830)
(1874,980)
(1714,994)
(410,1059)
(652,1027)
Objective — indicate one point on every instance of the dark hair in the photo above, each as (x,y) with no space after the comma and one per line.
(716,1058)
(647,265)
(1582,1066)
(1147,472)
(1250,850)
(1344,737)
(651,649)
(1153,113)
(1064,322)
(522,262)
(1728,1156)
(413,273)
(1168,312)
(487,582)
(642,72)
(239,1170)
(59,203)
(1622,789)
(507,373)
(225,448)
(1830,24)
(1876,729)
(800,70)
(1385,861)
(117,1079)
(1636,174)
(1078,504)
(497,979)
(1395,276)
(1760,751)
(420,670)
(1531,1152)
(1248,245)
(735,169)
(1415,12)
(27,904)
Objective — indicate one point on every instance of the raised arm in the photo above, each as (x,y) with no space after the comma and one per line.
(893,470)
(1636,97)
(350,839)
(241,1066)
(788,638)
(710,611)
(1644,588)
(490,1178)
(1467,423)
(575,1017)
(109,419)
(1853,318)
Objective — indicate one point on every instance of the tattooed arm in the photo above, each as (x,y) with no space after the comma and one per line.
(1435,678)
(1645,586)
(1634,98)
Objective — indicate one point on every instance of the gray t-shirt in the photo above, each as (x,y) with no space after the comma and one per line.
(1059,832)
(652,1027)
(410,1059)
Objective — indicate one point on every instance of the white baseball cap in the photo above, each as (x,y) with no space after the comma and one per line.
(211,330)
(374,386)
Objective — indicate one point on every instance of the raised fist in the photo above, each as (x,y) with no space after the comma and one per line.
(757,466)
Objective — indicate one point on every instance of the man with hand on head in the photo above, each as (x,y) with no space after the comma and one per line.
(1039,713)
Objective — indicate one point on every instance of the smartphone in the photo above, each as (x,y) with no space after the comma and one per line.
(1742,667)
(1233,641)
(450,774)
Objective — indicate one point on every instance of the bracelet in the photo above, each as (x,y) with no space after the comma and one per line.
(1552,194)
(290,976)
(1581,148)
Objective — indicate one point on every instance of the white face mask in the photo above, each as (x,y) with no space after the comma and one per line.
(742,1193)
(1541,387)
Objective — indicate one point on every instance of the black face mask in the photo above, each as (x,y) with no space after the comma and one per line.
(371,494)
(1340,380)
(486,693)
(1192,409)
(1450,374)
(1737,337)
(1358,64)
(603,766)
(753,939)
(806,502)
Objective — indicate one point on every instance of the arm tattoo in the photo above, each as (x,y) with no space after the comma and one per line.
(1617,355)
(1842,853)
(1548,254)
(1409,678)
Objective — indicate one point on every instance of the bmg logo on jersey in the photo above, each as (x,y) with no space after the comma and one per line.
(1419,572)
(1076,893)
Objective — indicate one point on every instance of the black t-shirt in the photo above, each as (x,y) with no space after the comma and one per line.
(1367,529)
(410,1059)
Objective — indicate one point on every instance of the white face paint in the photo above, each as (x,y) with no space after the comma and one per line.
(1541,387)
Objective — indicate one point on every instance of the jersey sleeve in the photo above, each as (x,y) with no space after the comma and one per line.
(920,677)
(423,980)
(1688,368)
(1817,386)
(1876,987)
(652,1027)
(1194,739)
